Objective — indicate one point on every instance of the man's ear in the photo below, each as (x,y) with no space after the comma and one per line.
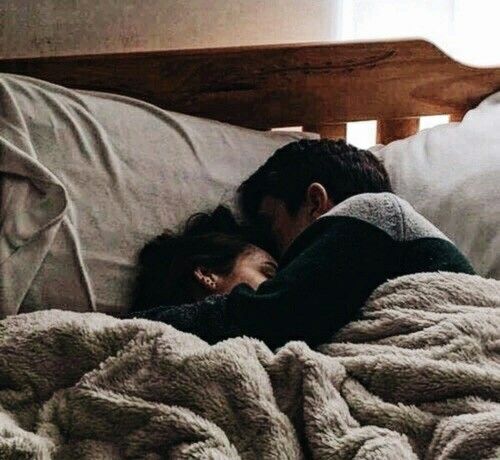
(318,200)
(206,278)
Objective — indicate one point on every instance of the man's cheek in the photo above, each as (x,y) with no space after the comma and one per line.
(283,242)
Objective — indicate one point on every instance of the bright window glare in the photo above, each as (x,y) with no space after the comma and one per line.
(429,122)
(466,29)
(362,134)
(288,128)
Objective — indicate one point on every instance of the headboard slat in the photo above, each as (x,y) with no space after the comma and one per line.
(332,130)
(457,116)
(396,128)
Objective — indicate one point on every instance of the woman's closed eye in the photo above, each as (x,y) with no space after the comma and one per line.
(268,269)
(253,267)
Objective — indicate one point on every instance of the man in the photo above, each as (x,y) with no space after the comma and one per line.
(341,234)
(304,180)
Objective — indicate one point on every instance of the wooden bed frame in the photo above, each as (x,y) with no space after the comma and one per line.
(317,86)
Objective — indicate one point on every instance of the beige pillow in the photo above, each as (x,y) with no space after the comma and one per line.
(88,178)
(451,175)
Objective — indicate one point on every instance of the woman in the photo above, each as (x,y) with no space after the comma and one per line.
(210,256)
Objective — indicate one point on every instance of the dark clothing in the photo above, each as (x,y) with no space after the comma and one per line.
(325,277)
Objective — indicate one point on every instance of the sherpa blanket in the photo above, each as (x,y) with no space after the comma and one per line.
(418,376)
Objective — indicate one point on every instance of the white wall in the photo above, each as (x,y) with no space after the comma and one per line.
(59,27)
(467,30)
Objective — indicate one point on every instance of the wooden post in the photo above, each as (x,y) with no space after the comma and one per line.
(457,116)
(328,130)
(396,128)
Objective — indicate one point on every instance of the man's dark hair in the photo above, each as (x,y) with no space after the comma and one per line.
(341,168)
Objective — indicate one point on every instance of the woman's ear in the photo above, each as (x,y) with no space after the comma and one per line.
(318,200)
(206,278)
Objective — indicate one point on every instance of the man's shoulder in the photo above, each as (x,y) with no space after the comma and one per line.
(389,213)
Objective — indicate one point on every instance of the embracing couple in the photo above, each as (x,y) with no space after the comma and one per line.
(322,231)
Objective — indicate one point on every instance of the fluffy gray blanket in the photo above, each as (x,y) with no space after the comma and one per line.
(417,377)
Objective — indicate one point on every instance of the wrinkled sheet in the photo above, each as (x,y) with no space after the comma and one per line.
(87,178)
(418,376)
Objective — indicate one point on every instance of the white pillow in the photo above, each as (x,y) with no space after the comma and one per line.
(451,175)
(88,178)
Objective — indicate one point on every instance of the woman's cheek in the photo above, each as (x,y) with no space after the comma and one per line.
(258,279)
(253,278)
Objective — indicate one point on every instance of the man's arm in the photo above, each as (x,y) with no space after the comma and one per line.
(333,267)
(207,318)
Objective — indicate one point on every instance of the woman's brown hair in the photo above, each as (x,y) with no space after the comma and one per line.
(167,263)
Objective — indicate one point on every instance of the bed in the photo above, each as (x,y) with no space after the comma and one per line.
(84,186)
(317,86)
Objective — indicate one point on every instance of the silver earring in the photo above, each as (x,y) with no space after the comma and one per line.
(211,283)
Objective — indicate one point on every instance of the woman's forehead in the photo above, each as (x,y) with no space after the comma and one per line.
(258,255)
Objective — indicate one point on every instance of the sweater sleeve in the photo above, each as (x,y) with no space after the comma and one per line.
(324,279)
(333,268)
(208,319)
(329,272)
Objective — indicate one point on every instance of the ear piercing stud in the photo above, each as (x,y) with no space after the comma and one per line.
(211,283)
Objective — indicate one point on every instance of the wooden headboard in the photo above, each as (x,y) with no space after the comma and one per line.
(318,86)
